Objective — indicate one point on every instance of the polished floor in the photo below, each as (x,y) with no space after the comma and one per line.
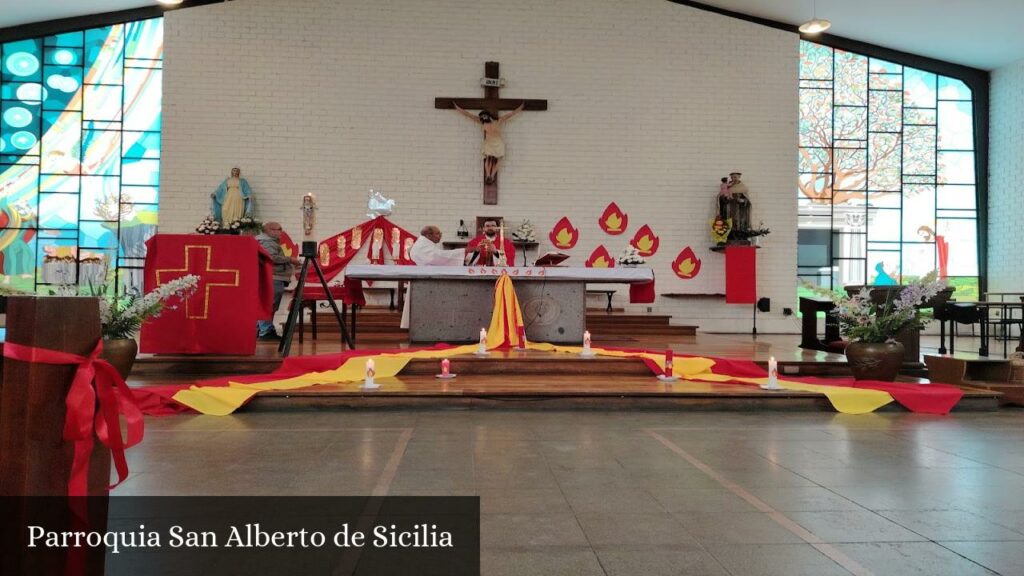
(651,493)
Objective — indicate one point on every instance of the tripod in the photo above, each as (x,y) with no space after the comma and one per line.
(309,257)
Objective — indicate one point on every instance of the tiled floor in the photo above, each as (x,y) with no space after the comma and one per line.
(644,492)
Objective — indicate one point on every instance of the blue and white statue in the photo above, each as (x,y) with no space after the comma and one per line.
(232,200)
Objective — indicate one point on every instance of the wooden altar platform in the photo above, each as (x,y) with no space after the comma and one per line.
(541,380)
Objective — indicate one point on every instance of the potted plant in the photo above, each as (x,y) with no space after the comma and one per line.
(871,325)
(209,225)
(123,316)
(247,226)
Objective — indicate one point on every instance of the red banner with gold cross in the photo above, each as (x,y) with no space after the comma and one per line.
(235,290)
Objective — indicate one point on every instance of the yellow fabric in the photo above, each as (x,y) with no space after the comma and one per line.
(214,400)
(506,316)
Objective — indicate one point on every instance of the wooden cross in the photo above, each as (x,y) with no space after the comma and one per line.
(492,103)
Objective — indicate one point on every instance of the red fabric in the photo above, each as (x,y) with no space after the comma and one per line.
(740,275)
(336,252)
(96,384)
(351,292)
(942,246)
(642,293)
(235,290)
(510,250)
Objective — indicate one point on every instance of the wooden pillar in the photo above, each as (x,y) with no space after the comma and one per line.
(34,458)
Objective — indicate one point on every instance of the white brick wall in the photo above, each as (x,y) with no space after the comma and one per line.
(1006,192)
(650,103)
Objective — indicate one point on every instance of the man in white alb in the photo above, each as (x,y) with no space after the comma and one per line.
(427,251)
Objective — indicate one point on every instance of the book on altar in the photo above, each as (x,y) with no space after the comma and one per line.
(551,259)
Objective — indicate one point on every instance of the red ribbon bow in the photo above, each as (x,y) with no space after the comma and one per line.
(95,379)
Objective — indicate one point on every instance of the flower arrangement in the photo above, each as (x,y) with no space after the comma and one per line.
(863,320)
(123,316)
(631,257)
(246,224)
(524,233)
(209,225)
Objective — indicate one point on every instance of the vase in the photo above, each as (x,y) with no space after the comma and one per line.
(120,352)
(875,360)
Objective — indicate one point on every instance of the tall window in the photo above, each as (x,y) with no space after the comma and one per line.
(887,181)
(80,155)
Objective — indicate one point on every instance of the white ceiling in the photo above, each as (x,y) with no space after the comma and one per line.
(981,33)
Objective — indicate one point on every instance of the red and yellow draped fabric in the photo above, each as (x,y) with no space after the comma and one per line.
(506,317)
(372,238)
(225,395)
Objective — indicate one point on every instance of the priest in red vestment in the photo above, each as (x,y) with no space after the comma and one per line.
(490,248)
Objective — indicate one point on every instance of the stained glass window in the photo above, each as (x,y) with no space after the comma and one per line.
(886,190)
(80,156)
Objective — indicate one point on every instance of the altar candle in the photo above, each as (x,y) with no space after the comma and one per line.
(773,373)
(668,362)
(586,340)
(521,332)
(445,367)
(370,372)
(483,337)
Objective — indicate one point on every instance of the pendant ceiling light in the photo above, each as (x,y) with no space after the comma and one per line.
(815,25)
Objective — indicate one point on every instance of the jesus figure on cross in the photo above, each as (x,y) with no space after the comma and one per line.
(494,147)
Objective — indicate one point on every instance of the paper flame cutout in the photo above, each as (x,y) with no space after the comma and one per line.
(563,236)
(600,258)
(686,265)
(645,241)
(613,221)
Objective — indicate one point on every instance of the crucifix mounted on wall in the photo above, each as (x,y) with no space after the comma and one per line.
(489,120)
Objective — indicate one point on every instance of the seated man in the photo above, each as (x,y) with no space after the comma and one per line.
(485,251)
(426,251)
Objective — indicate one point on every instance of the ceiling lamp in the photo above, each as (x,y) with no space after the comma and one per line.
(169,2)
(815,26)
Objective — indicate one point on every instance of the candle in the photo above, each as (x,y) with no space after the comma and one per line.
(482,349)
(445,367)
(586,340)
(668,363)
(521,332)
(370,373)
(773,373)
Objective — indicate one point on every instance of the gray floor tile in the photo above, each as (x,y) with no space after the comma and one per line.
(1003,557)
(540,562)
(853,526)
(735,527)
(951,525)
(912,559)
(528,530)
(775,560)
(659,562)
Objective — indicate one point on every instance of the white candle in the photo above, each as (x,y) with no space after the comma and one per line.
(445,367)
(482,349)
(773,373)
(586,340)
(370,373)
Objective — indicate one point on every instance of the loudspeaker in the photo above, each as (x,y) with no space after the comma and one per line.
(308,249)
(764,304)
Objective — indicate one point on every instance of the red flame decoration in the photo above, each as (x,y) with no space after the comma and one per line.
(563,236)
(686,265)
(600,258)
(645,241)
(613,221)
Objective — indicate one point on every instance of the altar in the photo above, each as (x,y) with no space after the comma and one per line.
(452,303)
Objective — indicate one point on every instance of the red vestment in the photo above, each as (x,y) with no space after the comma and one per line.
(509,251)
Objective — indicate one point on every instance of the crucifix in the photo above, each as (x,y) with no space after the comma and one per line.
(493,147)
